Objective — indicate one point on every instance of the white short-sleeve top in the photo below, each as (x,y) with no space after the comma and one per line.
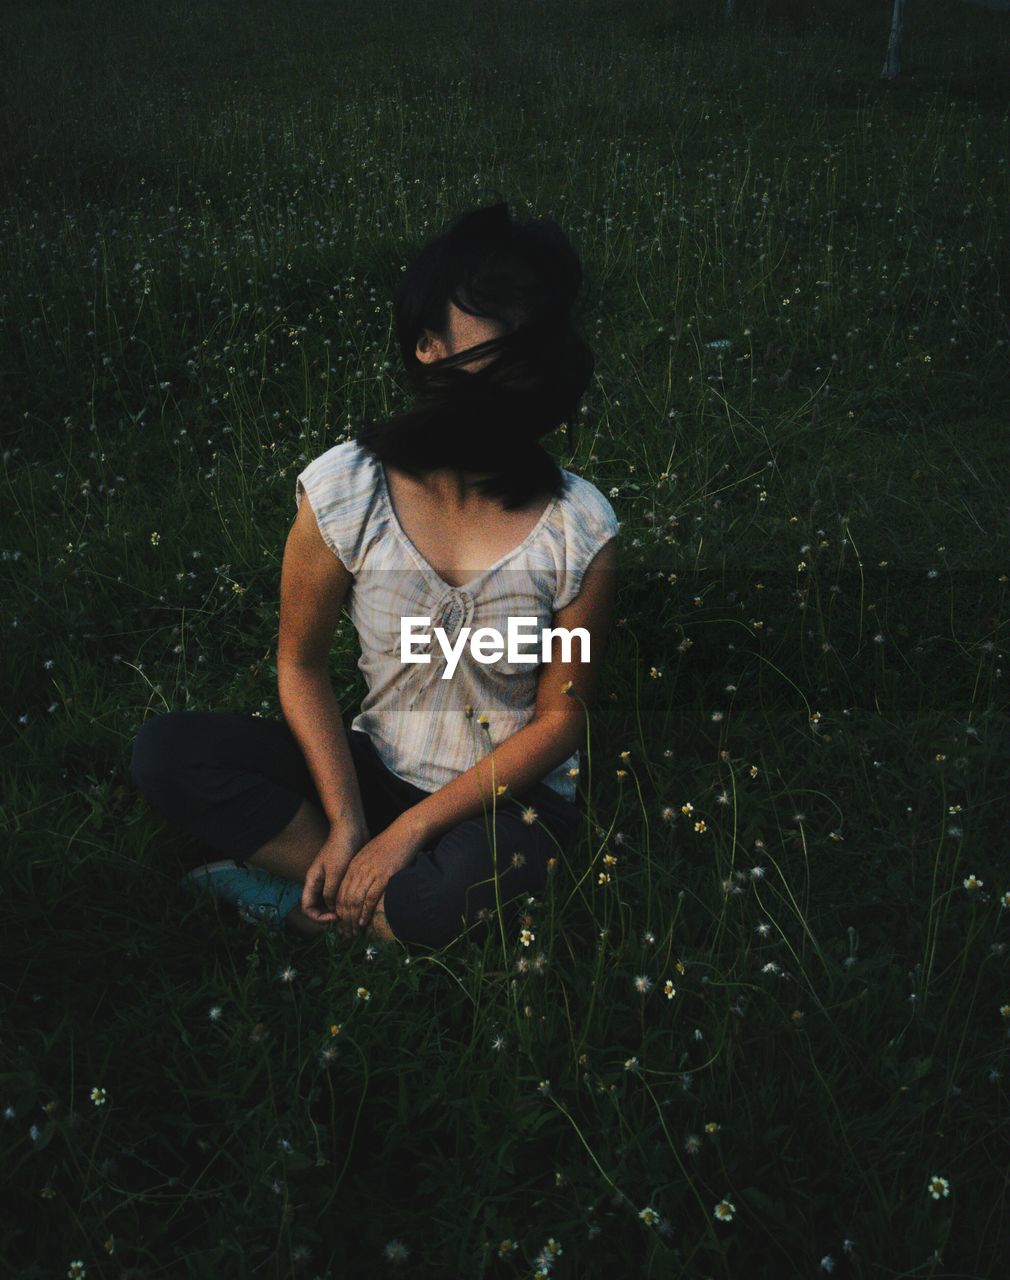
(418,721)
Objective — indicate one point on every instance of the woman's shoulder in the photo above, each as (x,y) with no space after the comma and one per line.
(587,523)
(347,459)
(586,506)
(340,485)
(344,476)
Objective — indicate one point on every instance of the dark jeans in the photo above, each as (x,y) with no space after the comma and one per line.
(235,781)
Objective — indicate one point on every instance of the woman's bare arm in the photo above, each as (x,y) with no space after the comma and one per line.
(314,585)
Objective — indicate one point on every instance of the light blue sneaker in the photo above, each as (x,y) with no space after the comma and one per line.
(259,894)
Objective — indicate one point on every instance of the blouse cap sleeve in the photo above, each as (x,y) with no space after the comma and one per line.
(590,523)
(339,485)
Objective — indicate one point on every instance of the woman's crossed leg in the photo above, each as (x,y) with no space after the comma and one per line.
(240,784)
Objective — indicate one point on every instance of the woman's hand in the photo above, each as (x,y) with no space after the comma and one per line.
(322,880)
(370,871)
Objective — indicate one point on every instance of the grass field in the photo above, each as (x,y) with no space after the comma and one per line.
(758,1025)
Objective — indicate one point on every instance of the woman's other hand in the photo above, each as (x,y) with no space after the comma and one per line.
(324,876)
(370,871)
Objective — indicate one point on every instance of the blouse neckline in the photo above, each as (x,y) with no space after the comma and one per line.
(427,568)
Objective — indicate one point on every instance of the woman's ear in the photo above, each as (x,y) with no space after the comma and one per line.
(429,348)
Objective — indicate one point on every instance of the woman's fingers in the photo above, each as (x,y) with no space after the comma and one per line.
(344,889)
(344,909)
(337,895)
(336,878)
(310,890)
(367,906)
(313,895)
(351,905)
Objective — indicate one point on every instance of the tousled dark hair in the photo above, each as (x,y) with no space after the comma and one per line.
(526,276)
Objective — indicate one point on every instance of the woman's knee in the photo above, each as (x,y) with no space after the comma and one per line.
(159,751)
(439,928)
(413,913)
(435,899)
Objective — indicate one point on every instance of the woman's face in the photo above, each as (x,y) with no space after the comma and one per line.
(465,331)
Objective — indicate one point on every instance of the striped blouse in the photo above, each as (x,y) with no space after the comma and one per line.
(418,721)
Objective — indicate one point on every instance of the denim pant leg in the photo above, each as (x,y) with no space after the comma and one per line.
(233,781)
(449,889)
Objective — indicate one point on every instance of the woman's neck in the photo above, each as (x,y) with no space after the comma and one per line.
(452,484)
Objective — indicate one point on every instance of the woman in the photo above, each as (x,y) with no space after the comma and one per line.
(445,799)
